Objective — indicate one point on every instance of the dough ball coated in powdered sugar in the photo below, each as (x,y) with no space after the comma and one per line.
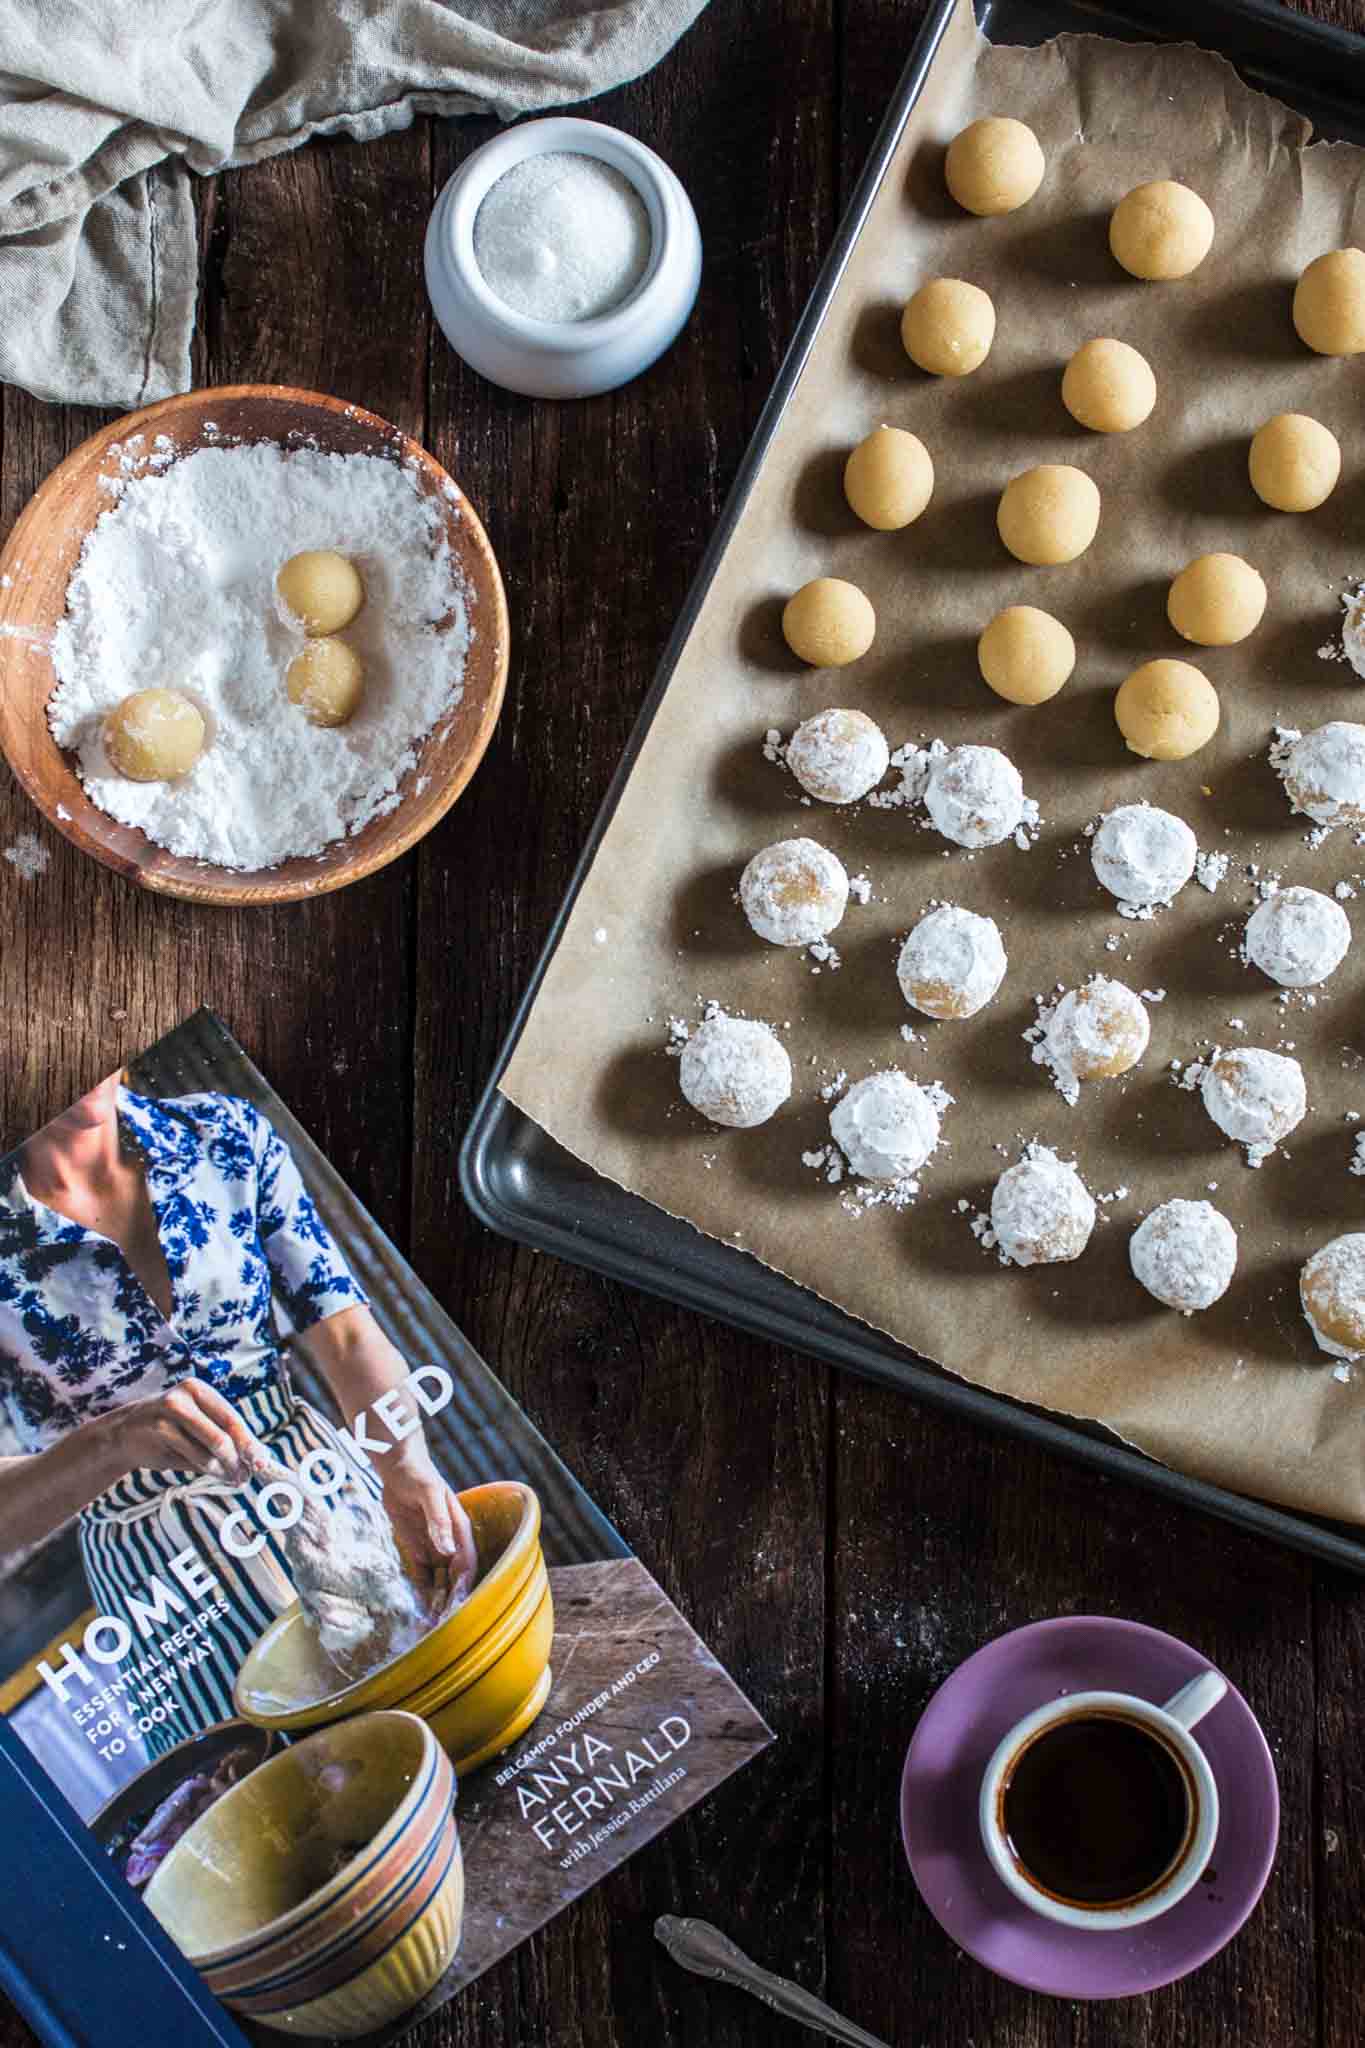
(886,1126)
(735,1070)
(1041,1210)
(952,963)
(1184,1254)
(1297,937)
(838,756)
(1253,1096)
(1353,633)
(1097,1031)
(1142,854)
(974,795)
(1332,1291)
(794,892)
(1324,773)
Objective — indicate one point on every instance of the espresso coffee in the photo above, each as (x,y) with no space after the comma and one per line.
(1096,1809)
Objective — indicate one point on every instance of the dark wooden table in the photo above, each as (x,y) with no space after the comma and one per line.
(841,1549)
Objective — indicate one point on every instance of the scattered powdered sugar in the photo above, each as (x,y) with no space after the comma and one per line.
(860,888)
(28,857)
(175,588)
(1357,1164)
(1210,869)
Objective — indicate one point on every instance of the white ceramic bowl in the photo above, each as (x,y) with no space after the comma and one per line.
(563,358)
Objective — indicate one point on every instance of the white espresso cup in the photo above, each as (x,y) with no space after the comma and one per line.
(1169,1725)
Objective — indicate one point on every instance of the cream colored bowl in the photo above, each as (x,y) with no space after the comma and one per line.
(324,1894)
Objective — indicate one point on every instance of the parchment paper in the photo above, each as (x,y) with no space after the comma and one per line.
(1239,1394)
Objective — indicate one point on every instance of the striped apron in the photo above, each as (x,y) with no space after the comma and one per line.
(131,1532)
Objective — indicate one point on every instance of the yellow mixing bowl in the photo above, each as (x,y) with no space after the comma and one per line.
(324,1894)
(480,1677)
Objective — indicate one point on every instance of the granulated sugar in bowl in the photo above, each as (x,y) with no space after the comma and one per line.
(181,526)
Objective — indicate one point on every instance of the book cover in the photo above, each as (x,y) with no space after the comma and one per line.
(319,1668)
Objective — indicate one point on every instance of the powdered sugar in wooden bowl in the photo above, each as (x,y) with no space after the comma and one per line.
(422,776)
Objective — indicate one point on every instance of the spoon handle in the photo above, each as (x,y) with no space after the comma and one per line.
(703,1949)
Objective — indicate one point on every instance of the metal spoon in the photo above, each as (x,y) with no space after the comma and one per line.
(703,1949)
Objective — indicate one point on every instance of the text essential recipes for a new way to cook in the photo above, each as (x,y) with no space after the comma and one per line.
(345,1672)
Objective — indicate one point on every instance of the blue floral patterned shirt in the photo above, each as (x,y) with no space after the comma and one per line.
(78,1332)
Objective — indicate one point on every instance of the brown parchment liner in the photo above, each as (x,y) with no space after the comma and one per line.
(1238,1395)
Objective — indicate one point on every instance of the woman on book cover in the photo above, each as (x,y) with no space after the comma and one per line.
(142,1245)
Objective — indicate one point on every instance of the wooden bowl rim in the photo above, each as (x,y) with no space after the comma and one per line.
(251,887)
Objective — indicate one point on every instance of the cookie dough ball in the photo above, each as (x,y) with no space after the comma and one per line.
(995,165)
(735,1071)
(321,589)
(828,622)
(1049,514)
(838,756)
(889,479)
(1324,774)
(794,892)
(974,795)
(1332,1291)
(154,735)
(1166,710)
(1216,600)
(952,963)
(886,1126)
(1329,303)
(1143,855)
(1161,230)
(1041,1210)
(1297,937)
(948,327)
(1294,463)
(1254,1097)
(1093,1034)
(1025,654)
(1108,387)
(326,680)
(1185,1254)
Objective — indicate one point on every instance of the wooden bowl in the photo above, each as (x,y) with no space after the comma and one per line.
(36,566)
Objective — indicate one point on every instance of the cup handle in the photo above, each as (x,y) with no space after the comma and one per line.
(1196,1699)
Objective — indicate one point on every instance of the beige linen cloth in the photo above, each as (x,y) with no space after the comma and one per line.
(106,106)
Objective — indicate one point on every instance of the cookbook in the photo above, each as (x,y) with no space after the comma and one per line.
(323,1683)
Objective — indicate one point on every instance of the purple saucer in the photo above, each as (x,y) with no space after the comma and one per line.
(954,1742)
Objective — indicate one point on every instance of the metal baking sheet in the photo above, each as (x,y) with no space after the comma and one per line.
(520,1182)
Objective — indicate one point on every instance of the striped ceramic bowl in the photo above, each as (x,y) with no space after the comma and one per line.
(324,1894)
